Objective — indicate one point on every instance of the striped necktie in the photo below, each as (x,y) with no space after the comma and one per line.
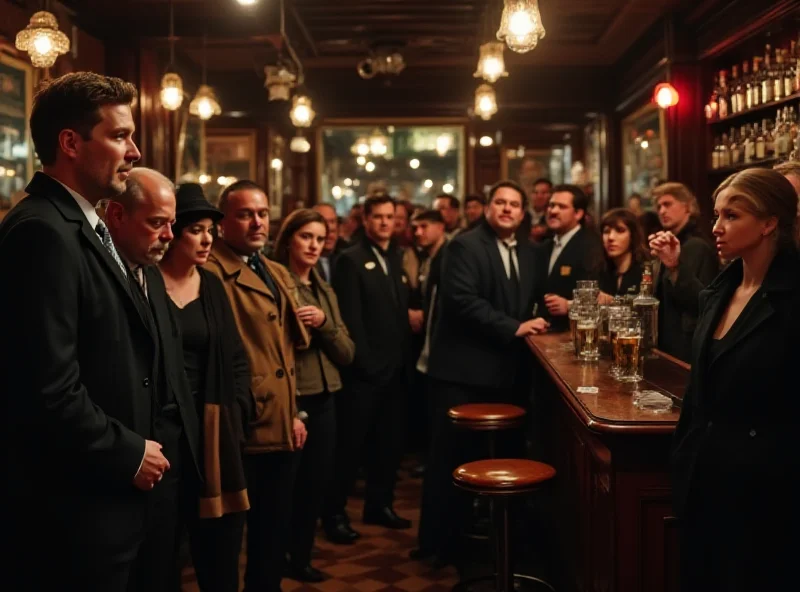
(105,237)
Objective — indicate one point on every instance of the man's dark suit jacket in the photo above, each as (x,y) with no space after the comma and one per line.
(374,307)
(77,389)
(581,259)
(474,340)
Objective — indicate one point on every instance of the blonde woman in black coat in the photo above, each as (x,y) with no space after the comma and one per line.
(735,450)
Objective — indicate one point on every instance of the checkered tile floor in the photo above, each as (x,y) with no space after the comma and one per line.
(378,562)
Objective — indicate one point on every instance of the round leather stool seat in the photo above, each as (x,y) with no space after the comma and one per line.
(499,476)
(487,416)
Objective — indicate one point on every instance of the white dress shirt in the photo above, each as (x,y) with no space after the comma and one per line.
(559,242)
(380,259)
(87,208)
(507,254)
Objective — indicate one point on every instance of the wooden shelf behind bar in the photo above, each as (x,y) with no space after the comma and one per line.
(756,164)
(766,108)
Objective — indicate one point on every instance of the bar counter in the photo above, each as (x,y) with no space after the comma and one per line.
(612,491)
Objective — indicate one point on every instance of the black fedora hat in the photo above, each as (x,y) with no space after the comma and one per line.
(191,201)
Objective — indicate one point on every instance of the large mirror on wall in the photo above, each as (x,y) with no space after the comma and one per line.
(644,153)
(190,158)
(230,156)
(16,149)
(411,162)
(525,165)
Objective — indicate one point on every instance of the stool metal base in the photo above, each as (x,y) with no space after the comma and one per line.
(522,582)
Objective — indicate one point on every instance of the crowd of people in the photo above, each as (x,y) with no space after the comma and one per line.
(172,371)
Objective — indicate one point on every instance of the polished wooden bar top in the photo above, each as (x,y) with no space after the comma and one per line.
(611,410)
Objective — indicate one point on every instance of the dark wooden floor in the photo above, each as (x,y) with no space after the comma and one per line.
(378,562)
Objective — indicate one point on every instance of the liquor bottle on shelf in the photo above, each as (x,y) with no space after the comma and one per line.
(747,88)
(769,139)
(767,88)
(749,145)
(724,99)
(715,153)
(788,74)
(796,60)
(645,305)
(761,142)
(737,97)
(792,120)
(782,137)
(712,107)
(755,83)
(776,73)
(724,152)
(735,149)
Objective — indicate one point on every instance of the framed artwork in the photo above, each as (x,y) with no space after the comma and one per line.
(278,184)
(191,156)
(644,152)
(230,156)
(16,148)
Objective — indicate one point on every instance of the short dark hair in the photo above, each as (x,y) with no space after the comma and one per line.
(481,199)
(579,199)
(377,200)
(294,222)
(454,203)
(428,216)
(73,102)
(544,180)
(238,186)
(510,185)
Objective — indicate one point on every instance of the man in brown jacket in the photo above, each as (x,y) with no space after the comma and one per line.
(261,294)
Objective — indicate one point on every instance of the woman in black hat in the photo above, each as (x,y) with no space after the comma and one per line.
(219,375)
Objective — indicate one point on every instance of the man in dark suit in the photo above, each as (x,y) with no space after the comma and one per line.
(373,297)
(333,243)
(574,252)
(78,356)
(488,287)
(140,223)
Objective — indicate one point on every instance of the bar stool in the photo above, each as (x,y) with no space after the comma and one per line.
(487,417)
(500,480)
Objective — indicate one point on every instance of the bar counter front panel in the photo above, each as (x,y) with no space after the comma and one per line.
(612,490)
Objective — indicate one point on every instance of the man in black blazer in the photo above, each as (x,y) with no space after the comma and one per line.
(140,223)
(373,297)
(574,253)
(78,356)
(333,244)
(489,284)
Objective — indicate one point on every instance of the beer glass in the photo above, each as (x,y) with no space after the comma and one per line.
(617,316)
(574,313)
(587,331)
(629,357)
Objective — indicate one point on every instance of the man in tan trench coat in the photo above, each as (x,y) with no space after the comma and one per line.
(261,295)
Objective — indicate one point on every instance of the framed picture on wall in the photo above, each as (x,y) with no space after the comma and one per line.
(525,166)
(644,152)
(16,148)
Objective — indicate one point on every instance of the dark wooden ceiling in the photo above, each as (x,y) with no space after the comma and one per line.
(439,41)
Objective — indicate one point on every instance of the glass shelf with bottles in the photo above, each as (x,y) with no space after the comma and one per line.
(758,144)
(773,81)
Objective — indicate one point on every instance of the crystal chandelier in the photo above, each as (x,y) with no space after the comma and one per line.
(171,83)
(280,81)
(204,104)
(171,91)
(491,65)
(521,25)
(42,40)
(302,114)
(485,102)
